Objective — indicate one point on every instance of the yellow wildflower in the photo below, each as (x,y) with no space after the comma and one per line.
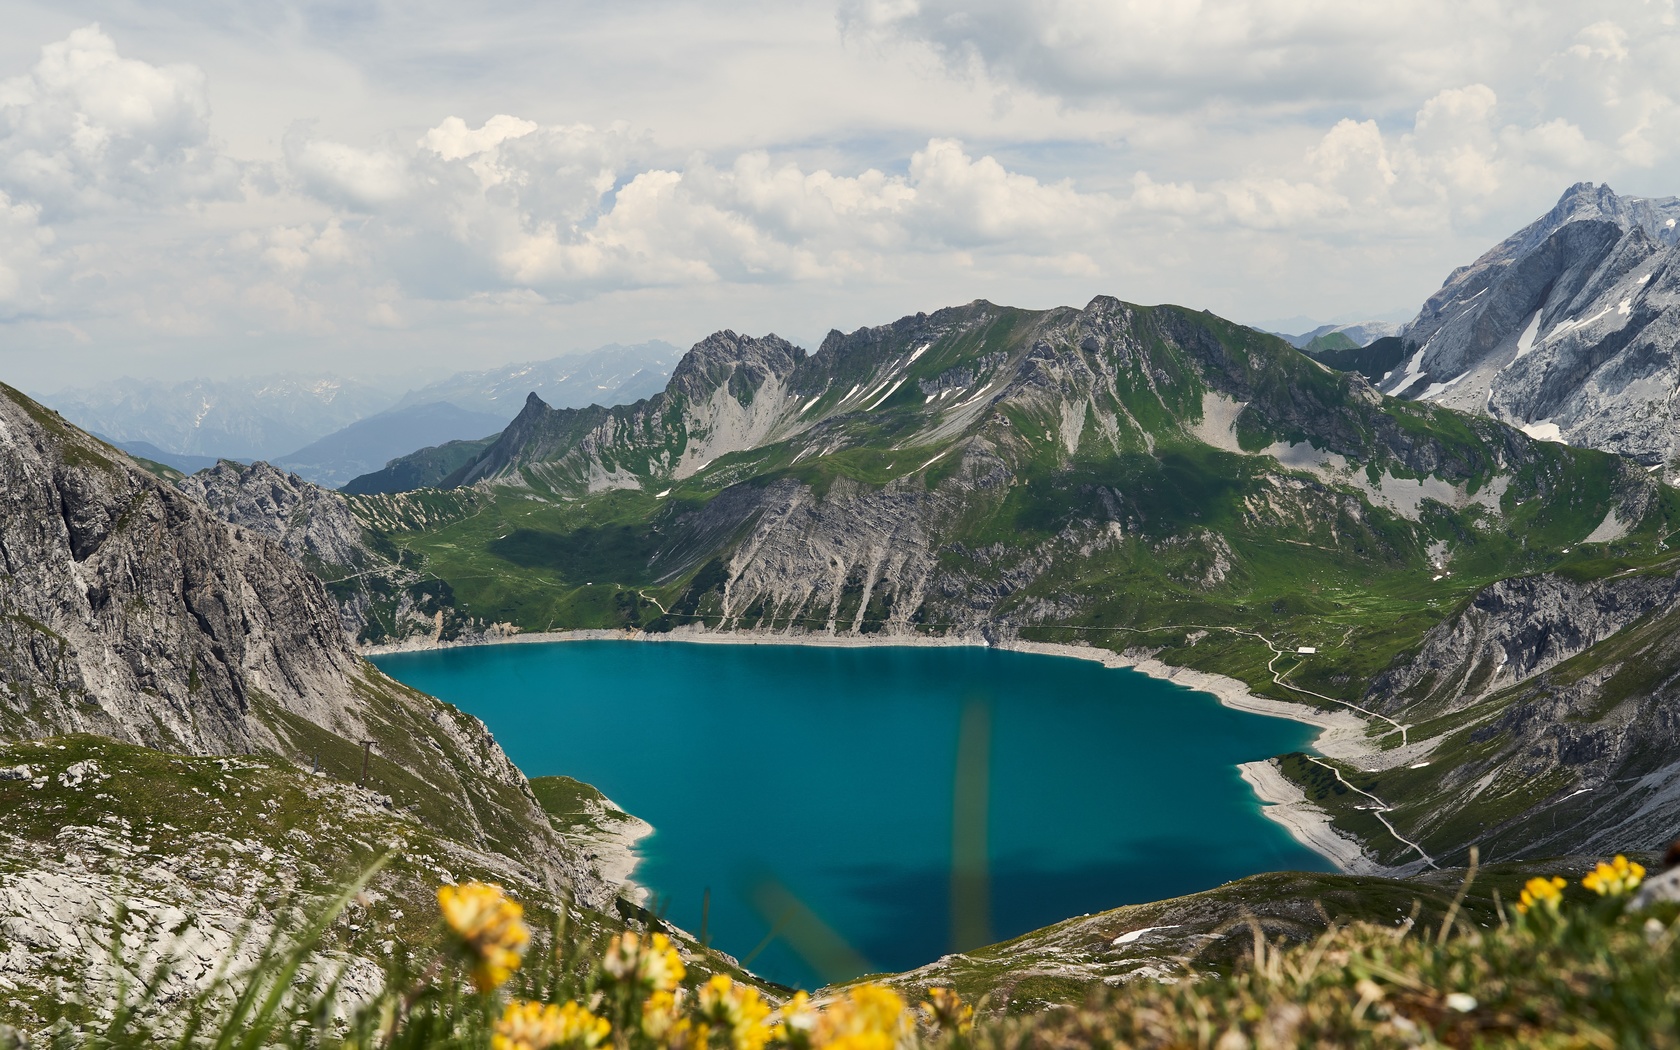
(869,1017)
(739,1009)
(1543,893)
(653,963)
(660,1016)
(1614,879)
(947,1010)
(534,1026)
(799,1022)
(489,925)
(689,1035)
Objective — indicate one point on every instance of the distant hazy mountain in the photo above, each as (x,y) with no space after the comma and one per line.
(1362,333)
(612,375)
(147,450)
(418,470)
(1570,328)
(368,444)
(256,418)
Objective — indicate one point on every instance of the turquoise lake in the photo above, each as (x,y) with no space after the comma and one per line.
(826,776)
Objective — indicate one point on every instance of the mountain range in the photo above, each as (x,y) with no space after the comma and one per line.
(611,375)
(237,419)
(1342,336)
(330,429)
(1451,544)
(1568,328)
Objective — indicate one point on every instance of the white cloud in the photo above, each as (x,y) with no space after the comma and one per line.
(563,209)
(24,244)
(87,129)
(502,175)
(1172,54)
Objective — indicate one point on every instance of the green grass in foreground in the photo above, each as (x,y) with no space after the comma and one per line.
(1560,969)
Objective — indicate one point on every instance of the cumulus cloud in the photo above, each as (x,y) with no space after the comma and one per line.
(87,129)
(1432,104)
(1259,157)
(1169,54)
(24,244)
(562,209)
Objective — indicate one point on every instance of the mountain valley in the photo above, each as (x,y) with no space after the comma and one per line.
(1147,480)
(138,629)
(1460,535)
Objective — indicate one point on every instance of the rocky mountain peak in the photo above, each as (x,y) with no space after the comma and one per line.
(1568,328)
(312,524)
(128,610)
(739,362)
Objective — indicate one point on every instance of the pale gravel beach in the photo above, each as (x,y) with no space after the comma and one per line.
(1343,734)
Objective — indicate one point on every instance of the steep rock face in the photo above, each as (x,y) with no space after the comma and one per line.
(726,395)
(1545,717)
(312,524)
(379,599)
(129,611)
(1512,631)
(1568,328)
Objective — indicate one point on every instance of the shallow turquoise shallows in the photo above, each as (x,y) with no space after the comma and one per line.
(826,776)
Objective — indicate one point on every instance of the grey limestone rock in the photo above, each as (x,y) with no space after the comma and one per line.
(1568,329)
(129,611)
(311,523)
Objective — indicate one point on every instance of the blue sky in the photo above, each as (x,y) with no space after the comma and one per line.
(371,188)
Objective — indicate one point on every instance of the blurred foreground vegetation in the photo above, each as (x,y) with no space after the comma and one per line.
(1566,965)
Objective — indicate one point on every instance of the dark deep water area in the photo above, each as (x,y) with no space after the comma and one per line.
(776,774)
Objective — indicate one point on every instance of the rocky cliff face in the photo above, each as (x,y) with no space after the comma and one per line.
(312,524)
(379,598)
(1568,328)
(128,610)
(1542,721)
(131,612)
(1511,632)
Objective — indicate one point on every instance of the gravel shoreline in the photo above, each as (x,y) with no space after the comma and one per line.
(1342,734)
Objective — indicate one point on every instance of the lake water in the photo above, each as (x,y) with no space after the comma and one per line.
(813,789)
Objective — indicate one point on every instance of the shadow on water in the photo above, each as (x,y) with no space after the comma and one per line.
(914,906)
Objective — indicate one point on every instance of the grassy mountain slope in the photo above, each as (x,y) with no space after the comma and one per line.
(1206,933)
(171,654)
(417,470)
(1128,477)
(204,857)
(1100,474)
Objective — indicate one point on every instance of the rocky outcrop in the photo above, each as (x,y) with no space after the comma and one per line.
(1512,631)
(312,524)
(380,599)
(1543,719)
(1568,329)
(128,610)
(131,612)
